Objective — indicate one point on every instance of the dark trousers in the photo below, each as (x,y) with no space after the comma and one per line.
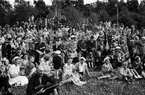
(4,82)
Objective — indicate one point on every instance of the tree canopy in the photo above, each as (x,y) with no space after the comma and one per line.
(130,12)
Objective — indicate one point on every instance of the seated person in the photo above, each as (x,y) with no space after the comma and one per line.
(70,74)
(4,79)
(107,69)
(137,67)
(39,82)
(82,67)
(125,73)
(14,74)
(30,67)
(47,65)
(90,60)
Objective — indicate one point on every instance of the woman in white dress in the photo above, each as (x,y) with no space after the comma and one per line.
(14,74)
(70,74)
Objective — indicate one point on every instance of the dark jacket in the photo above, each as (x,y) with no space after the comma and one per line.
(57,62)
(34,82)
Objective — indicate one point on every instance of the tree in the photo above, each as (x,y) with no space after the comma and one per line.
(104,16)
(23,10)
(5,10)
(133,5)
(42,9)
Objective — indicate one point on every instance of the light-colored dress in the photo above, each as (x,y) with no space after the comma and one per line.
(47,67)
(18,80)
(69,75)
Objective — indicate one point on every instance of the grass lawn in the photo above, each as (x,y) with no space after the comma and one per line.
(98,87)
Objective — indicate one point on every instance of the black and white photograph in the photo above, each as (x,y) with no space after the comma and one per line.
(72,47)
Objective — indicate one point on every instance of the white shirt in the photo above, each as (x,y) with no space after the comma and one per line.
(14,70)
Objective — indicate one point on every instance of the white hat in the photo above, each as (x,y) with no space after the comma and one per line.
(118,47)
(82,58)
(106,58)
(57,52)
(15,58)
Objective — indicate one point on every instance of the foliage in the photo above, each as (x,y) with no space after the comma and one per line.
(130,12)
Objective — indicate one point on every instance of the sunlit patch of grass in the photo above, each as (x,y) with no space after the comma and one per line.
(98,87)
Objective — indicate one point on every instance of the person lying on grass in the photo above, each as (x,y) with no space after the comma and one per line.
(70,74)
(107,70)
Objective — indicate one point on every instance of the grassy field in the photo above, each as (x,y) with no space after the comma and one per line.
(98,87)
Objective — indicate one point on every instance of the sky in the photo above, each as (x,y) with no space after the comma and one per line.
(48,2)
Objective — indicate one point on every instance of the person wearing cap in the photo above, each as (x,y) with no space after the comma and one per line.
(40,81)
(82,67)
(57,62)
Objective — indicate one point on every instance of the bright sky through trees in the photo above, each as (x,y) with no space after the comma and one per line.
(48,2)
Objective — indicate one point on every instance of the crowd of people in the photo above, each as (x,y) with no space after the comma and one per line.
(44,58)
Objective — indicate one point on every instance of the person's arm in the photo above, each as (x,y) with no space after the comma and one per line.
(121,71)
(29,90)
(87,70)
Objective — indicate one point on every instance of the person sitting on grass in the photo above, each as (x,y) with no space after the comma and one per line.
(4,78)
(70,74)
(90,60)
(138,67)
(14,73)
(41,84)
(107,69)
(82,68)
(125,73)
(47,65)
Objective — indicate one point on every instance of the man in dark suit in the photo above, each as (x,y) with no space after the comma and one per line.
(39,81)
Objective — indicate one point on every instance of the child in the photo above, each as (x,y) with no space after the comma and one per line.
(90,60)
(107,69)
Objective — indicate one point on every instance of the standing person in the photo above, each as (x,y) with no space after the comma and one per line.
(81,47)
(6,48)
(40,47)
(57,63)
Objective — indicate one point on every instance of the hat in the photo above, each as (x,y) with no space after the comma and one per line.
(106,58)
(117,47)
(15,58)
(82,58)
(57,52)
